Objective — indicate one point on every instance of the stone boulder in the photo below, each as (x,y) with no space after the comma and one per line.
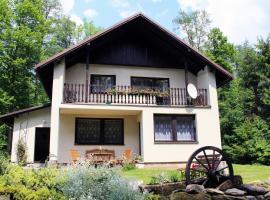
(228,184)
(213,191)
(237,180)
(253,189)
(267,196)
(186,196)
(194,188)
(235,192)
(163,189)
(228,197)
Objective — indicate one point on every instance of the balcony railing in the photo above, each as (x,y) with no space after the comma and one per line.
(76,93)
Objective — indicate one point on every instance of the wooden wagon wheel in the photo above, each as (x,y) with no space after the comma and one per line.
(208,166)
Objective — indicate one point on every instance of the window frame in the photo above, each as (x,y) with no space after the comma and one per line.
(174,130)
(101,142)
(153,78)
(100,75)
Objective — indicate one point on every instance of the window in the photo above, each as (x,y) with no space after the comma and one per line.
(99,131)
(173,128)
(160,83)
(100,83)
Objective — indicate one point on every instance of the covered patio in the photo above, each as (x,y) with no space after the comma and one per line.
(102,134)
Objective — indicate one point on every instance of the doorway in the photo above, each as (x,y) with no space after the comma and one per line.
(42,144)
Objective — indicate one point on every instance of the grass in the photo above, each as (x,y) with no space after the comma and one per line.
(252,173)
(145,174)
(249,173)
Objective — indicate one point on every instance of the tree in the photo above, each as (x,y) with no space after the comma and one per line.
(195,26)
(219,49)
(87,29)
(30,31)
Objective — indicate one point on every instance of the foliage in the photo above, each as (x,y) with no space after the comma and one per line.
(160,178)
(245,106)
(152,196)
(176,176)
(97,183)
(34,184)
(195,25)
(4,162)
(128,166)
(219,49)
(167,177)
(31,31)
(137,91)
(21,151)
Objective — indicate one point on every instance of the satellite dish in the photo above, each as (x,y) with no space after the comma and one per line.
(192,91)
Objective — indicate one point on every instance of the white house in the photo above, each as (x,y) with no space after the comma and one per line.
(124,87)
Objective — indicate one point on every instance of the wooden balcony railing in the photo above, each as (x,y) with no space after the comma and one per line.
(75,93)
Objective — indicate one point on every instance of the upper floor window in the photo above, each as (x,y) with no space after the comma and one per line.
(100,83)
(160,83)
(174,128)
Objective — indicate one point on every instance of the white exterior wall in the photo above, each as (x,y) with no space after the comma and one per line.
(25,127)
(67,136)
(207,119)
(63,115)
(76,74)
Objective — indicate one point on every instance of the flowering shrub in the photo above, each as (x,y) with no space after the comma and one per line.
(34,184)
(137,91)
(89,183)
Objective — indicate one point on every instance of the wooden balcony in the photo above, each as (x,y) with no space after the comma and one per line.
(127,95)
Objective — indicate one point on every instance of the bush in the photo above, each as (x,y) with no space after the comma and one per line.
(34,184)
(176,176)
(160,178)
(4,162)
(21,152)
(128,166)
(88,183)
(169,177)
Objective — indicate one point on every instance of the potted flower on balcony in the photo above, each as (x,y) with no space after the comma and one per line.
(163,97)
(110,92)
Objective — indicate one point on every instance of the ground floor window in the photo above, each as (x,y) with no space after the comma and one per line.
(173,128)
(99,131)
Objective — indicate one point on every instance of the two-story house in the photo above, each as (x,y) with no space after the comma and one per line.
(125,87)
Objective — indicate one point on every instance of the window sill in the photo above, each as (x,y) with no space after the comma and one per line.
(176,142)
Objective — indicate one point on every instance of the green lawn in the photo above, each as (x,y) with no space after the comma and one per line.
(250,173)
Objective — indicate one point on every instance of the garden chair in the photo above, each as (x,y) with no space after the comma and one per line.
(74,155)
(126,156)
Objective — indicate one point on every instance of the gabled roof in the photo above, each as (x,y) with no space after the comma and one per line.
(44,66)
(10,116)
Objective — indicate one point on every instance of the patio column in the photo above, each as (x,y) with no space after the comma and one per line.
(147,135)
(57,98)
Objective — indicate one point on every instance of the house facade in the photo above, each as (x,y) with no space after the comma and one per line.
(125,87)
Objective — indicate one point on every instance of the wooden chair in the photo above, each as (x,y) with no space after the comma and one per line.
(127,154)
(74,155)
